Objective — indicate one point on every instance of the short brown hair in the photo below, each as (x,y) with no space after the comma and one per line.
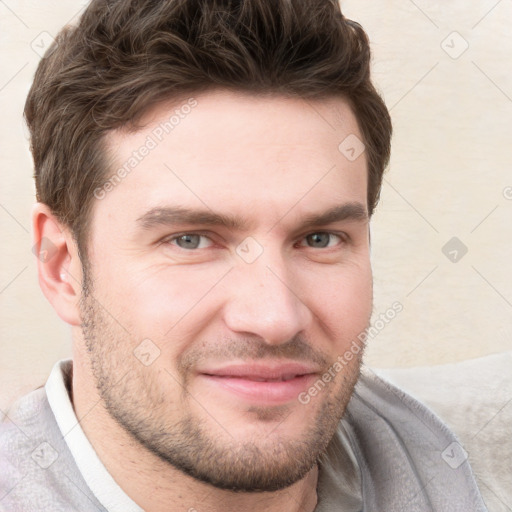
(124,56)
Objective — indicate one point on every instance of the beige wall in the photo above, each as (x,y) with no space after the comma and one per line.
(450,176)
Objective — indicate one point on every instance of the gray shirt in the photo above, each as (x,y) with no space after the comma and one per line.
(389,454)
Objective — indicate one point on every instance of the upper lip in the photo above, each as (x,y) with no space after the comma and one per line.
(262,371)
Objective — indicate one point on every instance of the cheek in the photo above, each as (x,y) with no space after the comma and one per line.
(164,301)
(344,302)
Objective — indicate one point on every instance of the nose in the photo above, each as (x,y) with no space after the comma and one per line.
(264,303)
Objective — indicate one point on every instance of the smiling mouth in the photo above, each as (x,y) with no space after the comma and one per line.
(256,378)
(270,384)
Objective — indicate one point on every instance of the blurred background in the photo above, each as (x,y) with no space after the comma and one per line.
(441,235)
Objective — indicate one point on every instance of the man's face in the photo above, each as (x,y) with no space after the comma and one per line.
(218,296)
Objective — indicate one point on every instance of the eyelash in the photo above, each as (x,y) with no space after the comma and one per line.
(342,236)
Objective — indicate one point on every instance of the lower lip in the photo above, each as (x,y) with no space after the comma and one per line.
(275,392)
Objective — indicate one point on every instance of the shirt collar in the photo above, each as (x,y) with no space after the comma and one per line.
(104,487)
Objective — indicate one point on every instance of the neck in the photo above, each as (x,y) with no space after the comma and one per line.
(153,483)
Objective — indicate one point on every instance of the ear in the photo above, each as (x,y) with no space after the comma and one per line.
(58,264)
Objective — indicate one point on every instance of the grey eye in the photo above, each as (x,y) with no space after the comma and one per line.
(188,241)
(318,239)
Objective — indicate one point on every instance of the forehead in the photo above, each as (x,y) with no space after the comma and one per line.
(237,153)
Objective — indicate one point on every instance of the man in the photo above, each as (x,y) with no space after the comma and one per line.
(206,172)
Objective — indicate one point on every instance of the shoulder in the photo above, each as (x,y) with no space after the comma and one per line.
(20,424)
(380,398)
(474,398)
(409,458)
(22,450)
(37,471)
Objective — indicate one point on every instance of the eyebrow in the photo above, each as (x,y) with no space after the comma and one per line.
(348,211)
(168,216)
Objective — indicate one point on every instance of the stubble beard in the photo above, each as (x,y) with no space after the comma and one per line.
(133,397)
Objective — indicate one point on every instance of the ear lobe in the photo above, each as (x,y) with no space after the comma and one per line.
(58,264)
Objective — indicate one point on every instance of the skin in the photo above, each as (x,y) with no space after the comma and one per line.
(165,432)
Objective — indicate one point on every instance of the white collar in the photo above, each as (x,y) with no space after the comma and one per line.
(103,486)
